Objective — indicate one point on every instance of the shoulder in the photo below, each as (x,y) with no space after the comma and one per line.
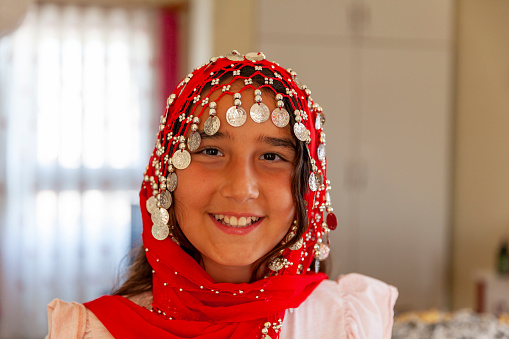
(354,306)
(73,320)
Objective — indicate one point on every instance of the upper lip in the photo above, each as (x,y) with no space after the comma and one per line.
(238,215)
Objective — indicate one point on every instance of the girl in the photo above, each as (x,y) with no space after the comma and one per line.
(236,220)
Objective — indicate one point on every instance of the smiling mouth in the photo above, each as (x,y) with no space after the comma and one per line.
(233,221)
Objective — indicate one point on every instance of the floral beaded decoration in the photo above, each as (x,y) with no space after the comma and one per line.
(178,136)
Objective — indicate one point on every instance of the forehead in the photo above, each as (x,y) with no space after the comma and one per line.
(250,129)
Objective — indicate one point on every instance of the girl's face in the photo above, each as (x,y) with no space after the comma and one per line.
(234,202)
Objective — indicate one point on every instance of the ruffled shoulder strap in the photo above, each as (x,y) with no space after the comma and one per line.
(368,306)
(354,306)
(66,320)
(73,320)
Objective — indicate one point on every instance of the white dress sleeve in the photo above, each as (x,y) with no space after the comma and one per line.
(354,306)
(73,321)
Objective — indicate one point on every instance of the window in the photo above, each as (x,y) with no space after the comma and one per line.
(78,115)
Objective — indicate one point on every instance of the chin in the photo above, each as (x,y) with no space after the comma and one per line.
(235,260)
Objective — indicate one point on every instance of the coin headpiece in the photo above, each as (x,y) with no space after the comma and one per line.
(178,137)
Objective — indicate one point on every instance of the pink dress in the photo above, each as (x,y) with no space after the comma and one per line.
(354,306)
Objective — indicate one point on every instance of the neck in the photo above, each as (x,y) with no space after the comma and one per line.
(228,274)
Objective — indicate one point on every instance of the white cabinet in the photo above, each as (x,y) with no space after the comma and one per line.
(382,72)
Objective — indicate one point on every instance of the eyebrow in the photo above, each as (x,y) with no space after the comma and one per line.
(217,135)
(278,142)
(273,141)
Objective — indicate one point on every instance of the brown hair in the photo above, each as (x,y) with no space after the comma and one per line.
(139,273)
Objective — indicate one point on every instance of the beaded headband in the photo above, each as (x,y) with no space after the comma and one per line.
(189,103)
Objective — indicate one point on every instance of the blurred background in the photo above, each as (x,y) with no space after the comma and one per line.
(416,95)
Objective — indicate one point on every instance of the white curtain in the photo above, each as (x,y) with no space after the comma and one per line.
(78,116)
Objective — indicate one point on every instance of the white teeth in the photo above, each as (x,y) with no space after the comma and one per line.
(242,221)
(234,221)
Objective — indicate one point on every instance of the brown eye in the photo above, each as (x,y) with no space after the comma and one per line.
(211,152)
(270,156)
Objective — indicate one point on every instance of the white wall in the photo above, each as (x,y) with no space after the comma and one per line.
(382,72)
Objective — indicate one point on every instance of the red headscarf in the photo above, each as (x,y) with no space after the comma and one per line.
(187,303)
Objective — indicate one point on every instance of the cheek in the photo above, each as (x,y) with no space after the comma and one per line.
(281,198)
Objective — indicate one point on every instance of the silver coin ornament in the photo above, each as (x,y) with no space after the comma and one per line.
(280,117)
(321,152)
(297,245)
(313,185)
(300,131)
(255,56)
(212,125)
(165,199)
(235,56)
(259,112)
(160,216)
(275,264)
(151,204)
(236,116)
(160,232)
(193,141)
(171,182)
(319,121)
(181,159)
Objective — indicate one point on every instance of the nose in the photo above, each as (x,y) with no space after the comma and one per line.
(240,181)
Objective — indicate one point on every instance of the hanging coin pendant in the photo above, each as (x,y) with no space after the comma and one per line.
(151,204)
(165,199)
(171,182)
(297,245)
(212,125)
(280,117)
(277,263)
(300,131)
(181,159)
(160,232)
(318,122)
(193,141)
(321,152)
(160,216)
(259,112)
(312,182)
(236,116)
